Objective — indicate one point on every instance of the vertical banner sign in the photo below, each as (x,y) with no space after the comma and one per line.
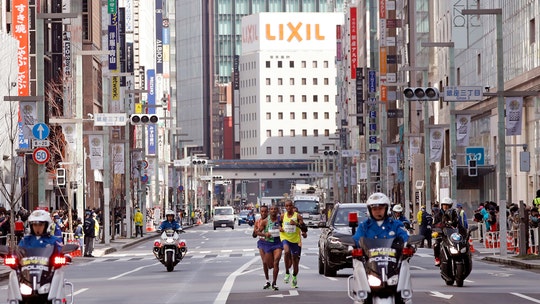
(236,80)
(28,118)
(111,6)
(514,107)
(129,15)
(20,32)
(112,48)
(118,158)
(354,41)
(159,36)
(415,143)
(151,130)
(96,151)
(360,100)
(463,127)
(121,43)
(436,139)
(338,42)
(392,160)
(67,54)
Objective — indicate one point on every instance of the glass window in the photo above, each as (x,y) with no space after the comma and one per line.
(280,98)
(268,98)
(314,64)
(315,98)
(315,82)
(326,115)
(304,150)
(326,81)
(325,64)
(304,98)
(280,81)
(293,150)
(304,115)
(291,98)
(303,63)
(292,115)
(268,150)
(293,133)
(291,81)
(267,64)
(304,132)
(280,64)
(280,133)
(304,81)
(280,150)
(326,98)
(326,132)
(315,133)
(315,115)
(268,133)
(291,64)
(268,115)
(268,81)
(280,115)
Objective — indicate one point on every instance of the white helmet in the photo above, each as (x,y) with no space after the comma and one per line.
(447,201)
(40,216)
(378,199)
(397,208)
(169,212)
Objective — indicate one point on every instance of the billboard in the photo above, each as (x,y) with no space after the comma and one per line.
(290,31)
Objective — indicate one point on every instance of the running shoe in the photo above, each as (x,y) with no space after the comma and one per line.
(286,279)
(274,287)
(294,282)
(267,286)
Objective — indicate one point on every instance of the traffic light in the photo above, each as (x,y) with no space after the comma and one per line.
(60,177)
(304,174)
(330,152)
(143,119)
(197,162)
(217,176)
(472,167)
(421,93)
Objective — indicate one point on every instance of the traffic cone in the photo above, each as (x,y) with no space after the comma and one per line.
(149,227)
(471,247)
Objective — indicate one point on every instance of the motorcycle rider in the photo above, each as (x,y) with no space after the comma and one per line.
(379,224)
(170,222)
(398,215)
(39,237)
(450,219)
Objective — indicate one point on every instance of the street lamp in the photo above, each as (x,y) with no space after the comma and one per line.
(453,138)
(500,125)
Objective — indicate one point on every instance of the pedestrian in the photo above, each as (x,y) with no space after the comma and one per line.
(272,245)
(536,200)
(462,215)
(78,234)
(291,222)
(425,223)
(256,228)
(138,219)
(89,229)
(534,219)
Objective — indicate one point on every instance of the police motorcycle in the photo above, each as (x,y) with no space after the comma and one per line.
(169,249)
(456,256)
(36,275)
(381,270)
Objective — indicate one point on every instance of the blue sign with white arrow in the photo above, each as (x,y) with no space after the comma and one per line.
(40,130)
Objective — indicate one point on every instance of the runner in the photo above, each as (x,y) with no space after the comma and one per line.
(293,225)
(270,229)
(264,214)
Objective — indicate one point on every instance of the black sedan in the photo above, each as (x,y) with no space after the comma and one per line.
(336,237)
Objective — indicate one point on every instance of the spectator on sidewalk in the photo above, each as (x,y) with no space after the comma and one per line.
(78,234)
(89,230)
(138,219)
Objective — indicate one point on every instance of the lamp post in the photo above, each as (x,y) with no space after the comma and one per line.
(501,132)
(452,81)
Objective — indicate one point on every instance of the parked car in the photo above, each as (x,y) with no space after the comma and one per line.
(336,237)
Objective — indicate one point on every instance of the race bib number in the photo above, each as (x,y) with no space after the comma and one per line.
(289,228)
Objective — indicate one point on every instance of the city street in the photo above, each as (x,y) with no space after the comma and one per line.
(223,266)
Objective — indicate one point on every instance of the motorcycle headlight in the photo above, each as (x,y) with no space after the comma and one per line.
(393,280)
(26,290)
(169,241)
(453,250)
(373,280)
(334,240)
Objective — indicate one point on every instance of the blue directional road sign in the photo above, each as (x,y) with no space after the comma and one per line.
(475,153)
(40,130)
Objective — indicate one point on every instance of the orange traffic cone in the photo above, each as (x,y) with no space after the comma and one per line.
(471,247)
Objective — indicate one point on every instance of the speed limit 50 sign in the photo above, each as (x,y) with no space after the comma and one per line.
(41,156)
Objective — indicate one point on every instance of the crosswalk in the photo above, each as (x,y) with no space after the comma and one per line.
(194,254)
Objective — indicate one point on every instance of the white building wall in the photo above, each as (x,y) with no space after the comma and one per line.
(275,100)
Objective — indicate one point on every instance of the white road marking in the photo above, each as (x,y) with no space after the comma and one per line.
(132,271)
(229,282)
(525,297)
(80,291)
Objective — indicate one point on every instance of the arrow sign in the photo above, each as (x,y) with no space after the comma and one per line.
(292,293)
(40,131)
(441,295)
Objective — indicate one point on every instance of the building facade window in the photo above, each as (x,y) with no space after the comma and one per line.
(292,133)
(304,115)
(268,82)
(268,115)
(303,64)
(280,98)
(291,64)
(304,81)
(292,116)
(268,133)
(304,133)
(280,81)
(267,64)
(291,98)
(304,150)
(280,150)
(268,98)
(291,81)
(326,115)
(280,133)
(268,150)
(315,81)
(280,64)
(315,115)
(280,115)
(293,150)
(304,98)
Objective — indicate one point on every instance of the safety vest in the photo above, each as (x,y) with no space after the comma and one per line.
(536,202)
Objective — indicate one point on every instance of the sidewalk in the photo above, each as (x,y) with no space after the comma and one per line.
(511,259)
(102,249)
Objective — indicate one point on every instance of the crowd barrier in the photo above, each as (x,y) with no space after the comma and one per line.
(492,240)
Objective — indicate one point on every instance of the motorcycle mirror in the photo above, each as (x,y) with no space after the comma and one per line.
(67,248)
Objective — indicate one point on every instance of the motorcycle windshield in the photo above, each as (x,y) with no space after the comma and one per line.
(35,262)
(382,254)
(454,235)
(170,235)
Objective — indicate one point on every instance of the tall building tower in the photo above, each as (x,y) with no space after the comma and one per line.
(208,37)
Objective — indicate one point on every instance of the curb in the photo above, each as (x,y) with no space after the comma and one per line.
(511,262)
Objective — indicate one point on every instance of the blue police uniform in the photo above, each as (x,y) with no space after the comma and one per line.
(169,225)
(32,241)
(389,229)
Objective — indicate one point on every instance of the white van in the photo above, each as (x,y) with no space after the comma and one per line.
(224,217)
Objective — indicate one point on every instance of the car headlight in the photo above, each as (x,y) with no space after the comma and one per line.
(453,250)
(334,240)
(26,290)
(373,280)
(393,280)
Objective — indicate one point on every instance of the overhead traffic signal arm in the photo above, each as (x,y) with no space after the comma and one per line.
(143,119)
